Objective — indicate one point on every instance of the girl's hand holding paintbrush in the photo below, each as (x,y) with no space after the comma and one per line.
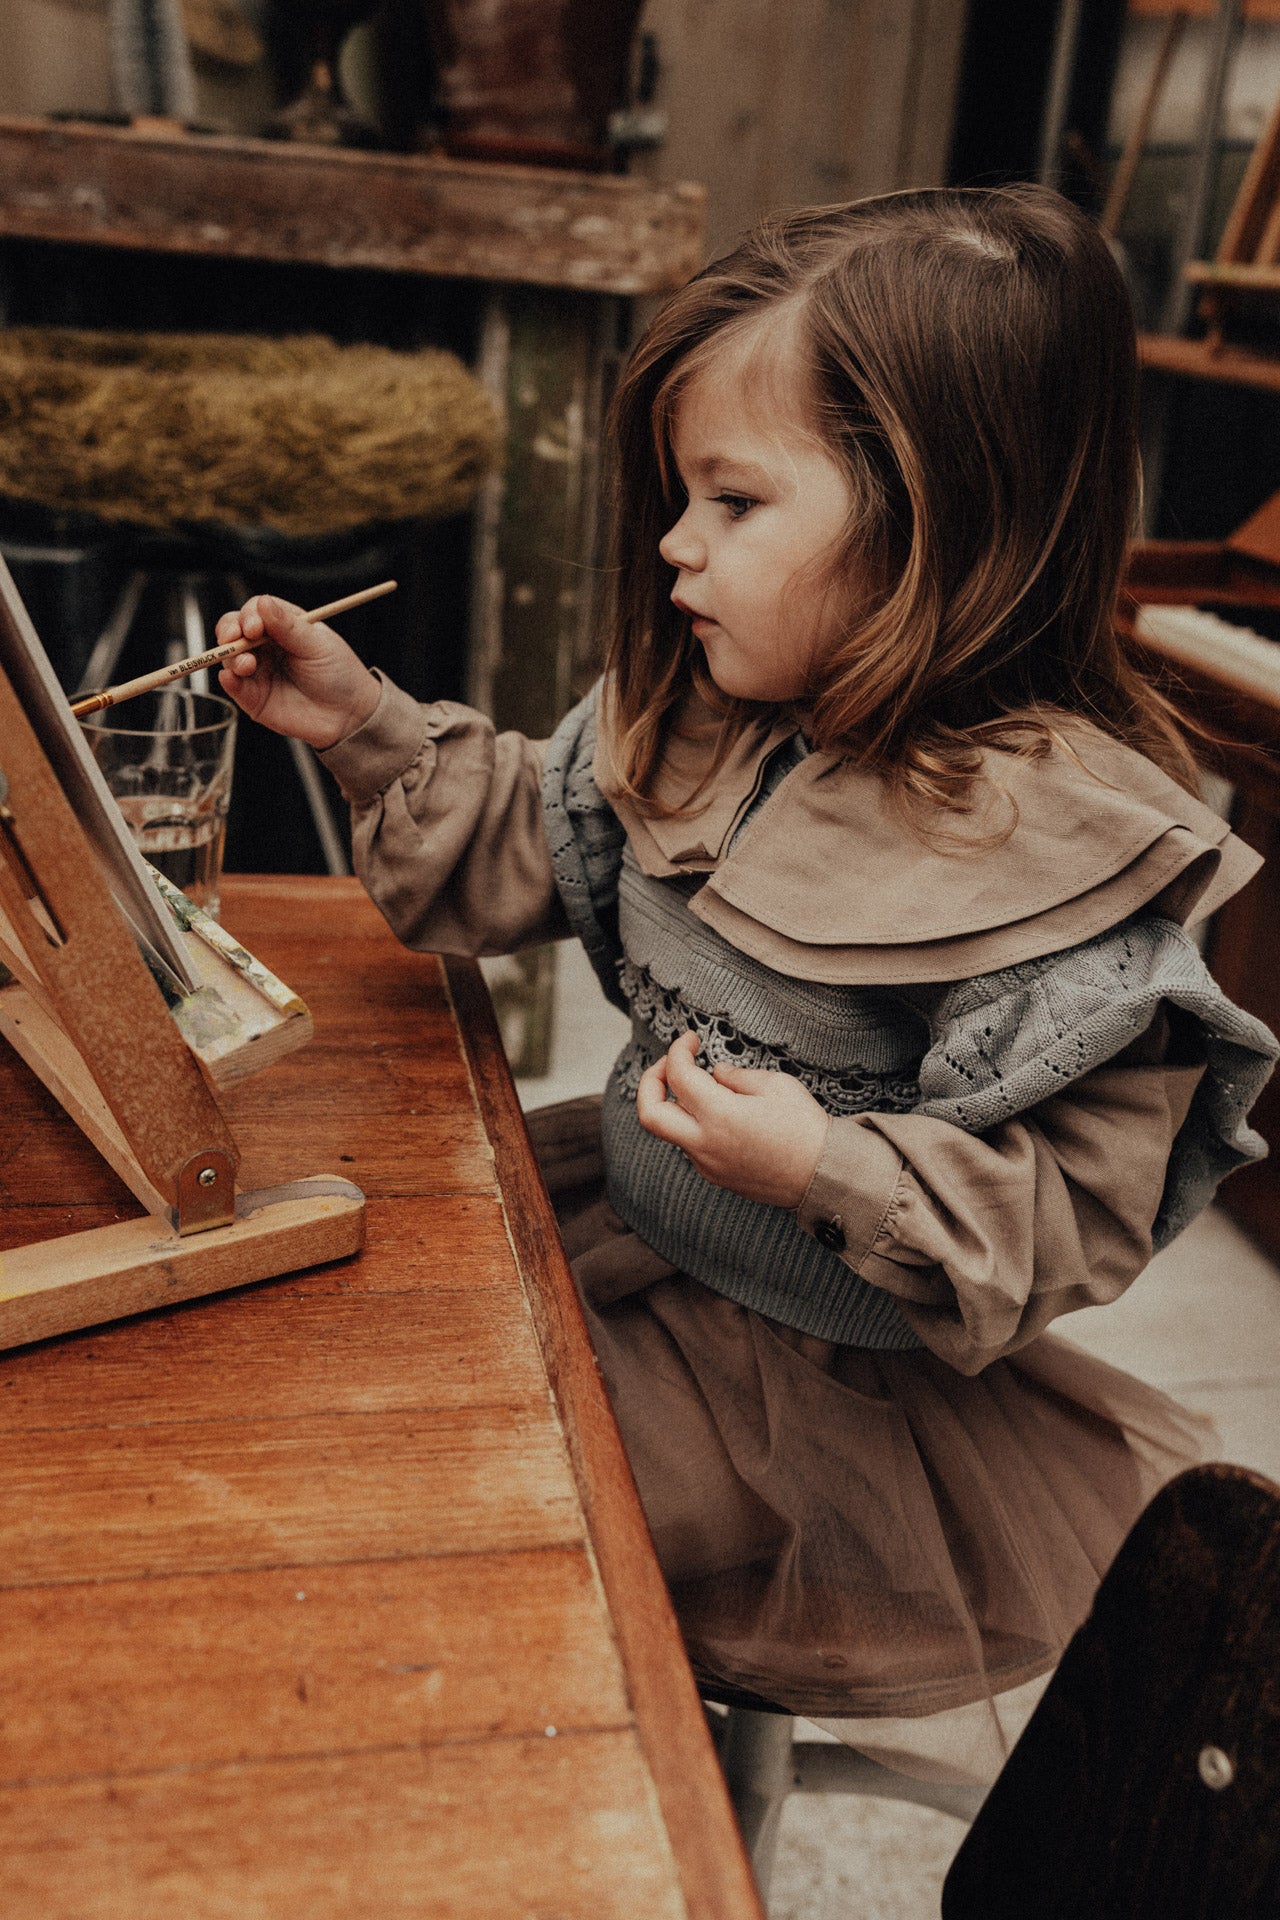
(302,680)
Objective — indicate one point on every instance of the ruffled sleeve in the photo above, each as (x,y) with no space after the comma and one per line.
(446,827)
(1007,1041)
(585,839)
(1075,1113)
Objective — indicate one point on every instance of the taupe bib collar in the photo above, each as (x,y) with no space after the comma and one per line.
(834,883)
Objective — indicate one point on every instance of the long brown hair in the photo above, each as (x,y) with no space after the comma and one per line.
(971,360)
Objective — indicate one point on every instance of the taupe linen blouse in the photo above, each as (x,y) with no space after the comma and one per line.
(983,1239)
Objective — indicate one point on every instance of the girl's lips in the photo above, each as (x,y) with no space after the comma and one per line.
(700,626)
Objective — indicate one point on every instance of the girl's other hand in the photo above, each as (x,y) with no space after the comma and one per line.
(308,684)
(759,1133)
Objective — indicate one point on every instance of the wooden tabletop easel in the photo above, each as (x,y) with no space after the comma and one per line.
(131,1014)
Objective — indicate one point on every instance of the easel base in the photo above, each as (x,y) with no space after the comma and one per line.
(57,1286)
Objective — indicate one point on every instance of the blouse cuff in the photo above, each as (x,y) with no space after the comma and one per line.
(853,1190)
(367,762)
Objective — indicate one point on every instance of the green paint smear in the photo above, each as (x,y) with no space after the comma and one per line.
(183,910)
(203,1017)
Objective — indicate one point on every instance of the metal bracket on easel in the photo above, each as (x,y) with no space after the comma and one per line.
(206,1193)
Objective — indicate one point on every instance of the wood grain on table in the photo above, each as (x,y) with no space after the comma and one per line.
(332,1595)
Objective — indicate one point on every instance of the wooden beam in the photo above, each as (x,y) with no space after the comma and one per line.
(1202,9)
(1192,573)
(403,213)
(545,358)
(1198,360)
(1241,276)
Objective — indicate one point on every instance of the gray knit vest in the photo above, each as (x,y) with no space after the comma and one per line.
(987,1049)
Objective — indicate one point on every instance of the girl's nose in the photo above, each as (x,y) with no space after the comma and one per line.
(681,548)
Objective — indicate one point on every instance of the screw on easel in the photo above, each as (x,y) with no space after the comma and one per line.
(206,1192)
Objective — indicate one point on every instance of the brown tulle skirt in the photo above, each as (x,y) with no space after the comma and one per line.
(854,1533)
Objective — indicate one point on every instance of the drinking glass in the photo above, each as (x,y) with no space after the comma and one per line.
(167,758)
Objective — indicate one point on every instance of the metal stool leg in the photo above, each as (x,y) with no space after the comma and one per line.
(194,638)
(836,1769)
(755,1753)
(109,645)
(308,773)
(763,1764)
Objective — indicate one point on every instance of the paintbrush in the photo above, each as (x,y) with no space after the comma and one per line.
(148,682)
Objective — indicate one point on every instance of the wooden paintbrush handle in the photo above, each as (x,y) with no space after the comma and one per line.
(163,676)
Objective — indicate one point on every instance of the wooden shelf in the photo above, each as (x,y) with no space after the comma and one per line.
(260,199)
(1247,276)
(1202,9)
(1199,360)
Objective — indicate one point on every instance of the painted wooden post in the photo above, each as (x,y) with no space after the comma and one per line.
(545,356)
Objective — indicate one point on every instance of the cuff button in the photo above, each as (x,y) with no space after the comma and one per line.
(829,1233)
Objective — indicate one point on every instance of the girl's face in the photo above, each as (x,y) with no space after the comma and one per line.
(766,508)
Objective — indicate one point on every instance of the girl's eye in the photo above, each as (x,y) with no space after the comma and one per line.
(737,503)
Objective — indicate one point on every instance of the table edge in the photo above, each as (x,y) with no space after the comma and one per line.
(715,1875)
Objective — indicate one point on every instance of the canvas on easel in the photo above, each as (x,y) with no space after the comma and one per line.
(132,1007)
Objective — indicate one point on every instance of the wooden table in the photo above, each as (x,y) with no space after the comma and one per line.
(333,1596)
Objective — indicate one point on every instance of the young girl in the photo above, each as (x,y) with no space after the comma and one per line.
(870,817)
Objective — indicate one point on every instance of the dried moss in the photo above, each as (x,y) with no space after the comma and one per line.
(182,430)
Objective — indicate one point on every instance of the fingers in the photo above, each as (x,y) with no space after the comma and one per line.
(683,1119)
(265,617)
(687,1081)
(307,683)
(236,625)
(764,1147)
(234,674)
(696,1087)
(240,680)
(253,624)
(261,618)
(744,1079)
(660,1116)
(651,1095)
(654,1080)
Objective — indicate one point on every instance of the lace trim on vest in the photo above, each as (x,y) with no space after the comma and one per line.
(665,1015)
